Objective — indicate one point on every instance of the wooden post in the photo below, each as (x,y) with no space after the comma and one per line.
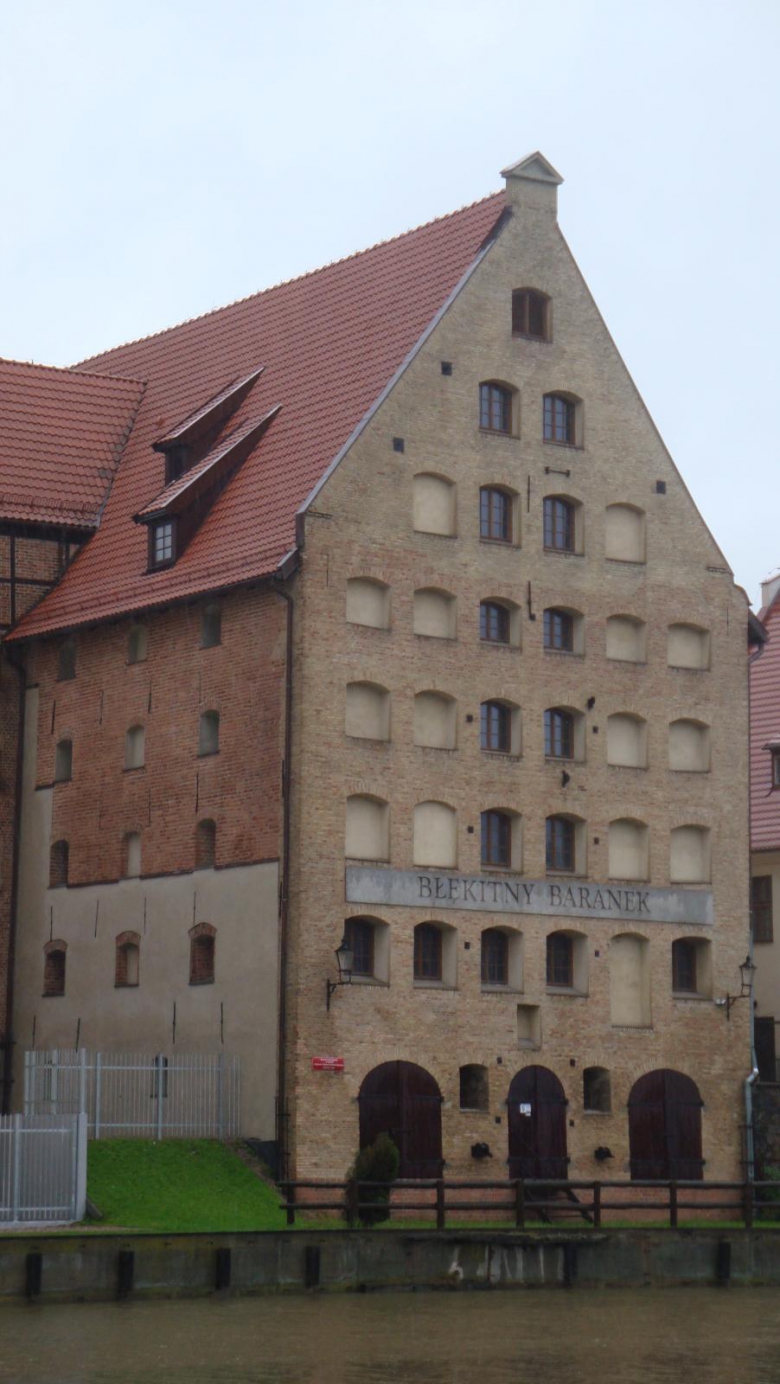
(290,1203)
(520,1204)
(440,1203)
(673,1205)
(597,1204)
(748,1204)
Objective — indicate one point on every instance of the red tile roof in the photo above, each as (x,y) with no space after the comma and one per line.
(330,342)
(61,436)
(764,730)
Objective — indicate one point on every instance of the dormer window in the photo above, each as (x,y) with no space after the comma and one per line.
(162,543)
(530,314)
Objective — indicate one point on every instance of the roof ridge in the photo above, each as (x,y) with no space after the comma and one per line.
(72,370)
(284,283)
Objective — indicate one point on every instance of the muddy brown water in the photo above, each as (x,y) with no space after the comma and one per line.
(585,1336)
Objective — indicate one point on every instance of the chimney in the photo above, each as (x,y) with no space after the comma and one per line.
(532,183)
(769,589)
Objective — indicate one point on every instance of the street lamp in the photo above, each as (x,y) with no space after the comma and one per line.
(345,956)
(746,973)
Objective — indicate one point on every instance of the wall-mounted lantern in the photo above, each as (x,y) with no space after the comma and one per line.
(746,973)
(345,957)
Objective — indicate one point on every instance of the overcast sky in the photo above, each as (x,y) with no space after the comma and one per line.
(164,157)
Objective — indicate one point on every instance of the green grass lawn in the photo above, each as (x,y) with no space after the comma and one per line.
(179,1184)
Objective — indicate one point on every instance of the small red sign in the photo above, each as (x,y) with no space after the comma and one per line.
(327,1064)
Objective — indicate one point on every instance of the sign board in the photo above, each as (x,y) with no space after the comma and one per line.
(550,898)
(525,1109)
(327,1064)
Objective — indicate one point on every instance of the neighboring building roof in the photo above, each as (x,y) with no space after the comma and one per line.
(330,342)
(61,437)
(764,733)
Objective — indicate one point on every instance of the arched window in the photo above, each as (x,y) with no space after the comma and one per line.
(58,864)
(629,849)
(558,733)
(435,613)
(560,529)
(135,747)
(367,711)
(496,838)
(629,981)
(495,732)
(560,959)
(202,946)
(435,839)
(54,968)
(435,720)
(494,622)
(495,957)
(205,844)
(128,953)
(530,314)
(433,504)
(692,966)
(131,855)
(368,603)
(627,740)
(474,1091)
(596,1090)
(495,408)
(690,855)
(370,942)
(495,514)
(211,626)
(427,952)
(559,630)
(66,661)
(368,828)
(137,644)
(560,419)
(63,761)
(560,844)
(208,733)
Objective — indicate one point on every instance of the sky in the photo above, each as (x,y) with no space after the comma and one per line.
(165,157)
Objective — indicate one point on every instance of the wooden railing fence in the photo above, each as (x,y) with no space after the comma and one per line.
(531,1200)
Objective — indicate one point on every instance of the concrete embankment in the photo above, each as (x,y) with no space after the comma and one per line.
(105,1266)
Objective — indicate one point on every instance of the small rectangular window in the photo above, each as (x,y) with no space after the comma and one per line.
(558,631)
(761,908)
(360,933)
(495,409)
(162,543)
(558,525)
(684,967)
(427,952)
(495,727)
(560,844)
(560,960)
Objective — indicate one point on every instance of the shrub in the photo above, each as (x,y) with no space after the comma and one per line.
(377,1163)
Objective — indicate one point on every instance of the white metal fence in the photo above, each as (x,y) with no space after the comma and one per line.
(131,1095)
(43,1167)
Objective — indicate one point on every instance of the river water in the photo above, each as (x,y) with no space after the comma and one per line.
(546,1336)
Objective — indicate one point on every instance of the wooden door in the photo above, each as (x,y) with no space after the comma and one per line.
(664,1127)
(537,1125)
(404,1101)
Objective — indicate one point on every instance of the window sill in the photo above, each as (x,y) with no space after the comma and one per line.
(70,678)
(596,1112)
(210,981)
(445,638)
(692,771)
(431,533)
(564,874)
(498,542)
(628,561)
(629,883)
(434,985)
(497,644)
(497,433)
(371,981)
(570,446)
(53,995)
(133,768)
(439,749)
(562,759)
(127,984)
(487,868)
(502,754)
(691,995)
(680,668)
(526,336)
(561,552)
(472,1110)
(566,992)
(367,860)
(632,768)
(207,754)
(529,1047)
(366,739)
(632,662)
(499,990)
(564,653)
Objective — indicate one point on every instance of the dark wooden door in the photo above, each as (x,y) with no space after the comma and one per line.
(404,1101)
(664,1127)
(765,1049)
(537,1125)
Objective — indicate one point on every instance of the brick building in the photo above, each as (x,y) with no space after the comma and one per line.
(765,824)
(399,625)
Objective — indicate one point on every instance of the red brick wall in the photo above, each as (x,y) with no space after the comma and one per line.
(242,679)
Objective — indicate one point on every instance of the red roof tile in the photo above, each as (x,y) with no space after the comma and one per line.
(330,341)
(764,730)
(61,437)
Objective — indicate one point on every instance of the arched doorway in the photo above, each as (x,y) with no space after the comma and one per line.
(403,1100)
(537,1125)
(664,1127)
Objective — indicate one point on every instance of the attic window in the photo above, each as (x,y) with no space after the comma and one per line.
(162,543)
(530,314)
